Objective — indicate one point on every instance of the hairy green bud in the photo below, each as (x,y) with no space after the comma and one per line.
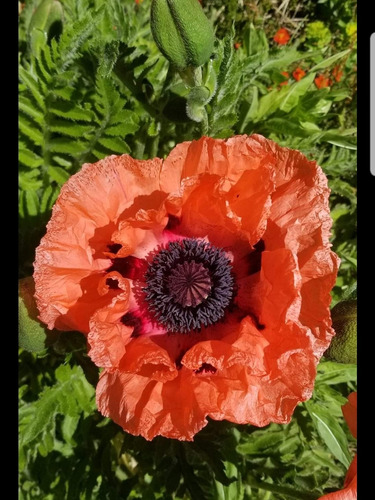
(343,347)
(182,32)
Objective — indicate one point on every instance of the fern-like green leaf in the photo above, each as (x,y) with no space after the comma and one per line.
(71,111)
(30,109)
(32,201)
(29,158)
(70,129)
(30,130)
(70,396)
(58,174)
(114,144)
(32,85)
(66,145)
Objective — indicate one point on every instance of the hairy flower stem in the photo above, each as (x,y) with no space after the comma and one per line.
(283,490)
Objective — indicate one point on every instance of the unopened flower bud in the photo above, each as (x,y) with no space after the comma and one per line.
(47,15)
(343,347)
(182,32)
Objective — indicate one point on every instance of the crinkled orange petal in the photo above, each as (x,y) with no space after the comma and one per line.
(146,358)
(108,336)
(216,181)
(273,294)
(245,346)
(149,408)
(350,413)
(92,199)
(351,474)
(271,397)
(300,220)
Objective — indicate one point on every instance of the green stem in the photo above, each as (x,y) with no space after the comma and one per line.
(283,490)
(154,145)
(204,124)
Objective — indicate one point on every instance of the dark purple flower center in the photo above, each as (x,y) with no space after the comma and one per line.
(189,285)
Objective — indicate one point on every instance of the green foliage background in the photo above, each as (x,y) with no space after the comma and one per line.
(96,85)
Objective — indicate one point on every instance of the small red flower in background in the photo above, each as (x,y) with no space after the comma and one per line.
(298,74)
(349,492)
(282,36)
(322,82)
(286,74)
(202,282)
(237,45)
(337,73)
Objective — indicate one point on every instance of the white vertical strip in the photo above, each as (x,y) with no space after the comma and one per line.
(372,104)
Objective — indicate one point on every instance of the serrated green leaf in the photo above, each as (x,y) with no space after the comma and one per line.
(65,145)
(32,202)
(72,112)
(48,61)
(99,154)
(29,158)
(122,115)
(261,442)
(69,427)
(343,188)
(30,180)
(63,162)
(30,130)
(46,201)
(29,108)
(122,129)
(70,396)
(69,128)
(58,174)
(330,60)
(41,67)
(109,56)
(32,85)
(73,39)
(234,490)
(114,144)
(64,93)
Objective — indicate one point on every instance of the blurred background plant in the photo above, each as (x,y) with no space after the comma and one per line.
(93,83)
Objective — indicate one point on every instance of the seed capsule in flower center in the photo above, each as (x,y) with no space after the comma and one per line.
(189,285)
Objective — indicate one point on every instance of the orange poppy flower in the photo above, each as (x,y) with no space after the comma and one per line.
(298,74)
(349,492)
(322,82)
(282,36)
(286,74)
(337,73)
(202,282)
